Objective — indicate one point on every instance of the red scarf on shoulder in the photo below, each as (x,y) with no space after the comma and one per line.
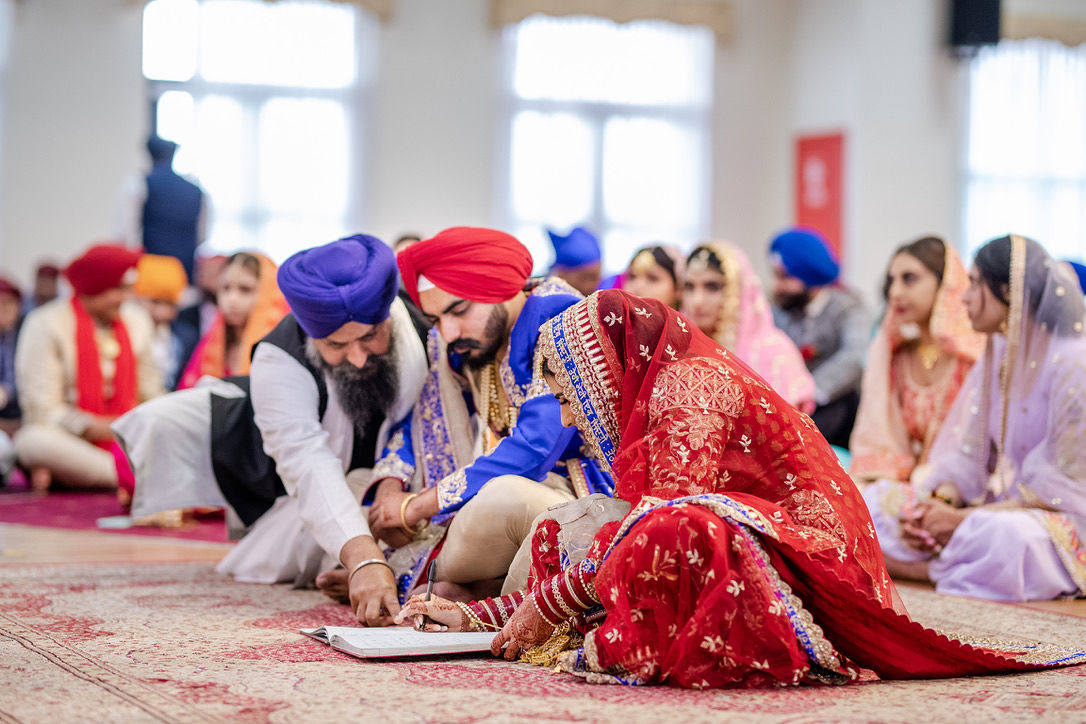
(88,368)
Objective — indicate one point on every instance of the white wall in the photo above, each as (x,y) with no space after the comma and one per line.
(73,124)
(879,70)
(751,195)
(7,19)
(75,121)
(436,104)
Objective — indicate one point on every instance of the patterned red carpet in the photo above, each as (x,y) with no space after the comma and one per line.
(152,641)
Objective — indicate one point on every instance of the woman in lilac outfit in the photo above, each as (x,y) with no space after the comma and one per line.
(1000,514)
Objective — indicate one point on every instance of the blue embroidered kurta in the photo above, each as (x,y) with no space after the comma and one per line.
(538,444)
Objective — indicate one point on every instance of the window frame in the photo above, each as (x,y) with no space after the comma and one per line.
(1041,186)
(697,117)
(355,99)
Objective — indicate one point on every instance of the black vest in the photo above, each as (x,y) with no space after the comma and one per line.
(245,473)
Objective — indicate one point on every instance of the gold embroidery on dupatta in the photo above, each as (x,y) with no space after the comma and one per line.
(810,509)
(696,383)
(584,340)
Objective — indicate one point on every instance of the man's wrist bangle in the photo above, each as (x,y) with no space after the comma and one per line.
(367,562)
(403,515)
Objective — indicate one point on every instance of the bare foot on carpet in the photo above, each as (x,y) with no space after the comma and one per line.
(40,480)
(333,584)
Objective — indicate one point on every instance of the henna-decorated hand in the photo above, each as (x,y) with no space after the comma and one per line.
(444,615)
(525,629)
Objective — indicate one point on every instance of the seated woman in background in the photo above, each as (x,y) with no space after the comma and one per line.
(250,305)
(654,273)
(1001,511)
(918,361)
(744,560)
(724,297)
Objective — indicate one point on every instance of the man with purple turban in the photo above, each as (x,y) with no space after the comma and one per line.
(577,259)
(288,449)
(826,321)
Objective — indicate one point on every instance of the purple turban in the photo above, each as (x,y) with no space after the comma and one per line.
(806,256)
(576,249)
(350,280)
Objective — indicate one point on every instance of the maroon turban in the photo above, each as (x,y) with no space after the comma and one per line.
(101,267)
(8,287)
(480,265)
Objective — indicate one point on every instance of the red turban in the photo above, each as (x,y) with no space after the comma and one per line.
(7,287)
(480,265)
(101,267)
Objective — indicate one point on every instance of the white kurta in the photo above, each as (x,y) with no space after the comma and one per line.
(169,444)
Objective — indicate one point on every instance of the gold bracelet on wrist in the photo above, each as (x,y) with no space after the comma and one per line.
(403,515)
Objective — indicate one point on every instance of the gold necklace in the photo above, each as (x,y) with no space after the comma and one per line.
(492,407)
(929,355)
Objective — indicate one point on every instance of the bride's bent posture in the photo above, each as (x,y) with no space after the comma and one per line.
(747,557)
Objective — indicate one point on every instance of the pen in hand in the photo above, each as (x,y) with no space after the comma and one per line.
(421,621)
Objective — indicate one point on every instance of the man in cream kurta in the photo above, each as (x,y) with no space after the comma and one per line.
(58,438)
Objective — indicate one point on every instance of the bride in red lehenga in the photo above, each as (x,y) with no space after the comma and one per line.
(747,558)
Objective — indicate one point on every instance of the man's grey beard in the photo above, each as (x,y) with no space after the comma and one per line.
(365,393)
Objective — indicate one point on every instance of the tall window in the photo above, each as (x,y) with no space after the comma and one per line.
(262,99)
(608,128)
(1026,157)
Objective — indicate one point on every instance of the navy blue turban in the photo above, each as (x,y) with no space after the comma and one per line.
(350,280)
(576,249)
(806,256)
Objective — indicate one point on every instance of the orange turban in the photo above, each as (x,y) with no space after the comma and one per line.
(480,265)
(160,277)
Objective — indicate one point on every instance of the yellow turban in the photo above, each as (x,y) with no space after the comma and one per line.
(160,277)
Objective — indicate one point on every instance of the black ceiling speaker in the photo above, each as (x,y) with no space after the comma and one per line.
(973,23)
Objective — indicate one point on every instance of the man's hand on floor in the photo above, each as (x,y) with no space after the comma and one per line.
(371,588)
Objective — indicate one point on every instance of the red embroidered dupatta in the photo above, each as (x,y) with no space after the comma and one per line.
(749,557)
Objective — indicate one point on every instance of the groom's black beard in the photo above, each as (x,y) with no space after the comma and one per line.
(365,393)
(495,334)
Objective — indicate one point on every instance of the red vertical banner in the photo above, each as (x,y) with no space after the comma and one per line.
(820,186)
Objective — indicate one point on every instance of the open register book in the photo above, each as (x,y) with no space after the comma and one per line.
(367,643)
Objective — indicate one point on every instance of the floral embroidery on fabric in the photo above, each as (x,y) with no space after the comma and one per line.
(451,489)
(1068,545)
(695,383)
(811,509)
(392,465)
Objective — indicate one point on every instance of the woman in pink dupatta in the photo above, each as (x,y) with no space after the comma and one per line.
(1002,509)
(724,297)
(918,361)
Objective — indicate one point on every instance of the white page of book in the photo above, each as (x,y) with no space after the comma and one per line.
(399,641)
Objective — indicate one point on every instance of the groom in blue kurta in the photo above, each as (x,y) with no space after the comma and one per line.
(484,451)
